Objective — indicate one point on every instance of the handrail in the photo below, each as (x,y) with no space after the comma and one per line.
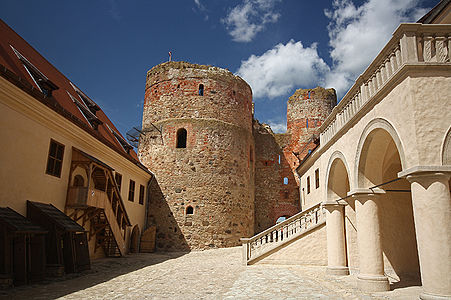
(279,234)
(411,44)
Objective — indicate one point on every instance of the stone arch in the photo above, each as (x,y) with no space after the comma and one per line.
(380,157)
(134,240)
(446,149)
(336,158)
(376,129)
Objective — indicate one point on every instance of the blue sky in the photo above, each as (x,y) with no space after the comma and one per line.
(106,47)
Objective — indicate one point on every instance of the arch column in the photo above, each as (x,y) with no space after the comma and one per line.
(336,240)
(371,277)
(432,215)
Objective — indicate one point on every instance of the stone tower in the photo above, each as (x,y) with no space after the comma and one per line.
(197,125)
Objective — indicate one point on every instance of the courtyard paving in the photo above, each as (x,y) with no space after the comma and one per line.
(212,274)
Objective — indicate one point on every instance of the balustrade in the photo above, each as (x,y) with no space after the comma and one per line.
(279,234)
(411,44)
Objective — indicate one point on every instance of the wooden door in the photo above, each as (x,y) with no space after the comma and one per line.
(82,260)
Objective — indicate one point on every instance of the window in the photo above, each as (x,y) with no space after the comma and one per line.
(141,194)
(279,159)
(55,159)
(131,191)
(118,178)
(306,123)
(124,144)
(308,185)
(317,178)
(181,138)
(41,81)
(251,155)
(88,102)
(285,180)
(189,210)
(89,116)
(201,89)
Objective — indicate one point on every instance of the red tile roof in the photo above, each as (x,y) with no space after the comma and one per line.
(13,69)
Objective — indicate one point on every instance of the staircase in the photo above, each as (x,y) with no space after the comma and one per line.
(99,203)
(279,235)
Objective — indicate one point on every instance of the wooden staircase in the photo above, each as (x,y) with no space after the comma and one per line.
(99,202)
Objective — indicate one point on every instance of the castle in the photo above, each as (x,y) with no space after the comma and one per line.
(364,184)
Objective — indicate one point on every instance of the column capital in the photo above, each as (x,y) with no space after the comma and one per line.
(426,173)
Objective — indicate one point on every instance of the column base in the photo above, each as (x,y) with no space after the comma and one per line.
(426,296)
(337,271)
(373,283)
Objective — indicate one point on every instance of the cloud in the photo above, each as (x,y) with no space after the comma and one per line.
(201,8)
(278,127)
(279,70)
(357,34)
(245,20)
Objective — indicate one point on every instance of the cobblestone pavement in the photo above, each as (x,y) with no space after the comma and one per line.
(212,274)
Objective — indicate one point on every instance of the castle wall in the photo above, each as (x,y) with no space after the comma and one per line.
(214,174)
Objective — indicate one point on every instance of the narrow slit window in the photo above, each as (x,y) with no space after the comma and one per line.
(308,185)
(251,155)
(189,210)
(141,194)
(285,180)
(181,138)
(317,178)
(306,123)
(201,89)
(279,159)
(131,191)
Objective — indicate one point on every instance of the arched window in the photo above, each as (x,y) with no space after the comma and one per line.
(285,180)
(181,138)
(201,89)
(79,181)
(189,210)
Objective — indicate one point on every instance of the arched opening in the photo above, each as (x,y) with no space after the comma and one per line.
(79,181)
(281,219)
(446,152)
(181,138)
(190,210)
(134,240)
(337,190)
(201,89)
(378,165)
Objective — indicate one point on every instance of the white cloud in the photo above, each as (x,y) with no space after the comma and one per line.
(278,127)
(245,20)
(279,70)
(201,8)
(357,34)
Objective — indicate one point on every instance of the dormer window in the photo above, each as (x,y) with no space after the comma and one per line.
(126,146)
(88,102)
(42,82)
(201,89)
(89,116)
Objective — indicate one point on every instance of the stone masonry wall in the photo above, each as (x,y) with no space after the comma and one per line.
(214,174)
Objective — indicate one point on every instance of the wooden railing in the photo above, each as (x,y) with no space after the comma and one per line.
(411,44)
(279,234)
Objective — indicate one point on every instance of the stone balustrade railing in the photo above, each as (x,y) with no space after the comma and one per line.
(411,44)
(279,234)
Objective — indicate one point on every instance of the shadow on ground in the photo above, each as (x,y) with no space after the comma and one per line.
(101,271)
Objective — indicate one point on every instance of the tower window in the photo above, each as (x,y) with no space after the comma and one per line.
(279,159)
(285,180)
(306,123)
(201,89)
(181,138)
(189,210)
(251,155)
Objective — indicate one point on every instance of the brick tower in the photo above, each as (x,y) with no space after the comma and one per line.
(197,125)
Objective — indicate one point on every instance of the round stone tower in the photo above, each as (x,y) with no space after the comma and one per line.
(197,125)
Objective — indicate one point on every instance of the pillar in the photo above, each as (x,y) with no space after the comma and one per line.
(371,277)
(336,239)
(432,215)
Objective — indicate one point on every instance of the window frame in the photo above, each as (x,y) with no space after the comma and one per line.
(54,172)
(131,190)
(317,178)
(141,194)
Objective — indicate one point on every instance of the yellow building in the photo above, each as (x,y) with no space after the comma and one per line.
(58,147)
